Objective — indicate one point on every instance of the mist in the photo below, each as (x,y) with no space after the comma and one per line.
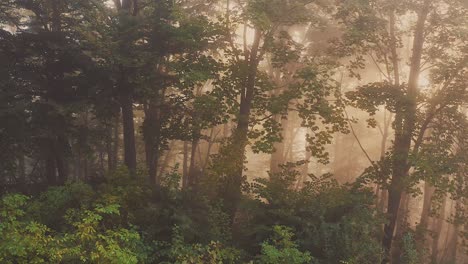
(247,131)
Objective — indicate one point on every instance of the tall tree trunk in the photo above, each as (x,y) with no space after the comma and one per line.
(436,229)
(450,253)
(402,142)
(112,143)
(126,103)
(192,173)
(424,222)
(152,138)
(383,198)
(204,163)
(449,244)
(453,247)
(304,170)
(115,150)
(101,160)
(185,169)
(109,152)
(382,194)
(239,140)
(167,157)
(401,226)
(458,220)
(385,134)
(226,130)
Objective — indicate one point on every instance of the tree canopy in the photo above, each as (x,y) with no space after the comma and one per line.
(221,131)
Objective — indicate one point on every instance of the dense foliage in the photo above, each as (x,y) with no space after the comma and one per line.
(125,221)
(222,131)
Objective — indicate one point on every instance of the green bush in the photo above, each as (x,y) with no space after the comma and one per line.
(282,249)
(180,252)
(89,236)
(22,240)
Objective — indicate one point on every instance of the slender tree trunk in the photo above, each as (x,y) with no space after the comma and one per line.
(449,247)
(436,229)
(402,142)
(204,163)
(383,199)
(304,170)
(385,134)
(382,194)
(450,255)
(112,143)
(338,149)
(424,222)
(101,160)
(109,152)
(401,227)
(185,169)
(115,150)
(226,130)
(85,169)
(167,157)
(192,173)
(454,249)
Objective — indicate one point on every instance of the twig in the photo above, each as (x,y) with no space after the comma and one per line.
(357,139)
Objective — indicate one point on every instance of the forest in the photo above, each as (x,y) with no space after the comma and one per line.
(234,131)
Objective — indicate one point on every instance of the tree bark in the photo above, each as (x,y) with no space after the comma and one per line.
(449,247)
(304,170)
(402,142)
(401,226)
(115,154)
(424,222)
(167,157)
(152,137)
(126,103)
(192,173)
(185,169)
(109,152)
(239,140)
(437,227)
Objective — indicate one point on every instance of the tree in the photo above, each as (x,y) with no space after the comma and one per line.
(248,91)
(46,70)
(128,32)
